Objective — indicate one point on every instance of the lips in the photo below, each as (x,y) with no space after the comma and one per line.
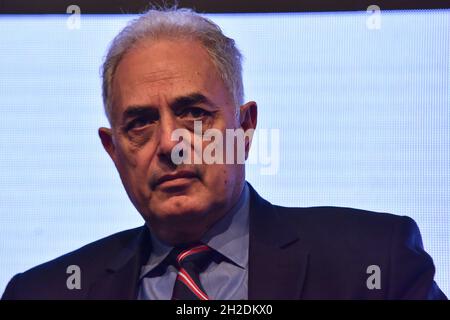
(176,178)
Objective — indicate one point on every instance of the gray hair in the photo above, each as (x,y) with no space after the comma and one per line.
(176,23)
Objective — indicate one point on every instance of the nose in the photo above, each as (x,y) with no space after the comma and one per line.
(167,126)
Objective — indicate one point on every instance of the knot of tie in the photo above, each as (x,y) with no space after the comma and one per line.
(195,255)
(190,261)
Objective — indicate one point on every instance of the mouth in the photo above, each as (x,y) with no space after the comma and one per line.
(176,180)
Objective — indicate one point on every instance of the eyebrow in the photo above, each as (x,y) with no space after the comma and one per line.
(135,111)
(177,103)
(191,99)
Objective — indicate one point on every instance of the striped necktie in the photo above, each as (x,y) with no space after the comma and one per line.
(190,261)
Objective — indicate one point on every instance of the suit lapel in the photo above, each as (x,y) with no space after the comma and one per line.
(120,279)
(277,257)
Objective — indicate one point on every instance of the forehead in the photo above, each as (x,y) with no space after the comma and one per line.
(164,69)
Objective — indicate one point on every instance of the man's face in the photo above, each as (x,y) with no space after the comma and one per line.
(159,87)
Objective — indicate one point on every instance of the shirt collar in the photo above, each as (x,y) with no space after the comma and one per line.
(229,236)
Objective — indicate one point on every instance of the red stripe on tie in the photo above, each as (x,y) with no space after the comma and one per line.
(194,250)
(184,277)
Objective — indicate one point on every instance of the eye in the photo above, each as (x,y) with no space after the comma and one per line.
(194,113)
(138,123)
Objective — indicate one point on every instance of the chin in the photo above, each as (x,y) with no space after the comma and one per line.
(181,207)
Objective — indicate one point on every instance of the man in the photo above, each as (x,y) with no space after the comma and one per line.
(208,234)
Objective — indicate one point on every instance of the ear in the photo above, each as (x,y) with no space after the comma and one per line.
(106,137)
(248,115)
(248,118)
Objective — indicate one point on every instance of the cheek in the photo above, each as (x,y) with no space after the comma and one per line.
(126,157)
(133,169)
(220,177)
(134,160)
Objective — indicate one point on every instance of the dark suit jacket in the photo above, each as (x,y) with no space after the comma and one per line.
(295,253)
